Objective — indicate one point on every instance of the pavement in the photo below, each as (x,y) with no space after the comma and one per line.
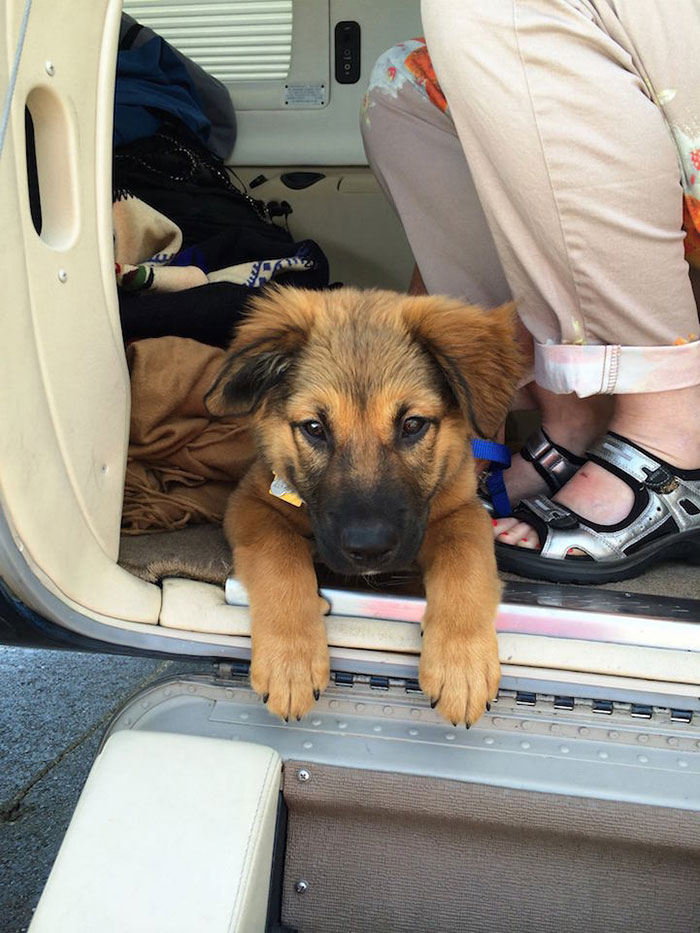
(54,707)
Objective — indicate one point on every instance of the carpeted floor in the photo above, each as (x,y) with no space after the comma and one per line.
(200,552)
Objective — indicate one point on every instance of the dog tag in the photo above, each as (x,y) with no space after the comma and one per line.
(282,490)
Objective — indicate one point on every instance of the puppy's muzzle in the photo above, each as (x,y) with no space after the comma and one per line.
(369,544)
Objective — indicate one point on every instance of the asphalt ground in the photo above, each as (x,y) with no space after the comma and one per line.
(54,707)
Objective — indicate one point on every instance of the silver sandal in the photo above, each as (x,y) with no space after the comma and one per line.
(555,464)
(664,523)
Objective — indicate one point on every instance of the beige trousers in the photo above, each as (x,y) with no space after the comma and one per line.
(580,122)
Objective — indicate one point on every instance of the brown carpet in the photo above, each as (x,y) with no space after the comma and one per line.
(402,854)
(200,552)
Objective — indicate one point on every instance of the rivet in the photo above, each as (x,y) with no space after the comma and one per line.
(413,732)
(245,715)
(415,714)
(342,725)
(450,736)
(554,728)
(613,734)
(643,738)
(301,887)
(50,69)
(167,692)
(308,745)
(525,745)
(376,728)
(643,759)
(333,704)
(230,693)
(682,763)
(62,275)
(564,749)
(525,725)
(315,722)
(303,775)
(488,740)
(192,689)
(497,721)
(603,755)
(583,730)
(359,707)
(672,740)
(388,710)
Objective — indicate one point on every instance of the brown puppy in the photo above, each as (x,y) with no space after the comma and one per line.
(365,403)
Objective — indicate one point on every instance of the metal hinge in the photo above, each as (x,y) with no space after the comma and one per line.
(235,670)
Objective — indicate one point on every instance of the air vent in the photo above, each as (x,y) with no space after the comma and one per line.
(234,40)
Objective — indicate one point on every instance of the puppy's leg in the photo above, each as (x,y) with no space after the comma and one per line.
(459,667)
(290,664)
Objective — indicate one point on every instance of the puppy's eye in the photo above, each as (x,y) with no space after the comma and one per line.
(414,427)
(314,430)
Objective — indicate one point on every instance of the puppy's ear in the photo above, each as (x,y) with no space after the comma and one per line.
(476,351)
(275,328)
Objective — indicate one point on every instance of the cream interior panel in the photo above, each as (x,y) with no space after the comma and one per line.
(347,214)
(327,135)
(188,605)
(172,834)
(64,392)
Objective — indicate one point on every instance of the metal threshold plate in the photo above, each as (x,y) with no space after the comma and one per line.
(544,748)
(589,615)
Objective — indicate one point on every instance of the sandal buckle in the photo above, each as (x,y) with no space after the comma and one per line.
(660,480)
(551,514)
(562,520)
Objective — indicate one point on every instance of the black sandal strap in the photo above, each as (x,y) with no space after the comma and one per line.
(555,464)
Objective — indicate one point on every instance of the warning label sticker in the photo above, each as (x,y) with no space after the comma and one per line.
(305,95)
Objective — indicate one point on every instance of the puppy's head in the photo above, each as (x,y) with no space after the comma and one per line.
(366,402)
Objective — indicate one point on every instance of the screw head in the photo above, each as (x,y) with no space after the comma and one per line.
(303,775)
(50,69)
(301,887)
(62,275)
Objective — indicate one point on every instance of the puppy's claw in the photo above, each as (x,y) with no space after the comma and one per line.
(266,698)
(298,718)
(488,707)
(467,725)
(434,703)
(317,693)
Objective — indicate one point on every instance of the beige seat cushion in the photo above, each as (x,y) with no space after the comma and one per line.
(171,833)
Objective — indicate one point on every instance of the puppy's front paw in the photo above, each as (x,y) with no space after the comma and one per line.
(459,673)
(289,670)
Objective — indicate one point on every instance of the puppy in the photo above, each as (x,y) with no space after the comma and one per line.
(363,405)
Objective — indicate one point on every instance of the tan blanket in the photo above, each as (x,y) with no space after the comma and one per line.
(182,465)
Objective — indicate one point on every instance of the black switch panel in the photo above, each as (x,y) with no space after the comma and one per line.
(347,52)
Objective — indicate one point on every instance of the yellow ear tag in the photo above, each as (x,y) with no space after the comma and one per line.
(282,490)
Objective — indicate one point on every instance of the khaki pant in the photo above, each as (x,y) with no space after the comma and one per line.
(580,121)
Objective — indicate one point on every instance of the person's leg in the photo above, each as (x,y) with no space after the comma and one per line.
(413,150)
(587,221)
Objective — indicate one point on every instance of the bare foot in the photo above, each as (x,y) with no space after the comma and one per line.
(592,492)
(571,422)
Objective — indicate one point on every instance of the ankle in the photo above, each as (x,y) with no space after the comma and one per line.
(574,436)
(573,422)
(663,423)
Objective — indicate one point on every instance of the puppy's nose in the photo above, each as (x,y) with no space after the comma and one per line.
(370,541)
